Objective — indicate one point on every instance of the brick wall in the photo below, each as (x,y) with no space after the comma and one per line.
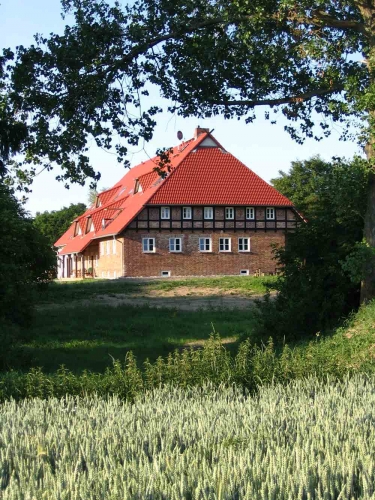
(192,262)
(109,262)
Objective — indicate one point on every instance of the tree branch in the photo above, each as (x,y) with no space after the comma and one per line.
(319,18)
(276,102)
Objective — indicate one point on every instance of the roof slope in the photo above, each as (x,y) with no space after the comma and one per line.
(213,176)
(202,173)
(122,198)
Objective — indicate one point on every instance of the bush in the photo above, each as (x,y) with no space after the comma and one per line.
(26,261)
(316,289)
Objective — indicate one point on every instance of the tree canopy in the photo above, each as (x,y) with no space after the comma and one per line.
(316,289)
(54,224)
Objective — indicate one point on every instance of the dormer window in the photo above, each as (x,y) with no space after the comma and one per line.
(165,213)
(137,187)
(77,229)
(89,225)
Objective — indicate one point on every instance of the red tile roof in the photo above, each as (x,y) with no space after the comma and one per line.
(199,176)
(211,176)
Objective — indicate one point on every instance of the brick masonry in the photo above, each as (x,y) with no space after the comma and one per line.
(192,262)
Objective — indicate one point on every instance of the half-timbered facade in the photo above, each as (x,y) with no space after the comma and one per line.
(211,215)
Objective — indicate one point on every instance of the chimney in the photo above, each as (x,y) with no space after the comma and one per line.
(199,131)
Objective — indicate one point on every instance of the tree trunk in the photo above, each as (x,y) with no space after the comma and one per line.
(367,10)
(368,284)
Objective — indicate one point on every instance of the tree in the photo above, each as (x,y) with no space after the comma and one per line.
(208,57)
(54,224)
(26,262)
(316,289)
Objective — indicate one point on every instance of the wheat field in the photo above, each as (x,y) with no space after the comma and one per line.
(308,440)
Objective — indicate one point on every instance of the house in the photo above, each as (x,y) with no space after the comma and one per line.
(211,215)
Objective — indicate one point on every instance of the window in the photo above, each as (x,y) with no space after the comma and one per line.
(250,213)
(244,272)
(208,213)
(96,260)
(102,248)
(270,213)
(108,247)
(165,213)
(114,246)
(77,229)
(186,213)
(229,213)
(205,244)
(224,245)
(148,245)
(165,273)
(244,244)
(175,244)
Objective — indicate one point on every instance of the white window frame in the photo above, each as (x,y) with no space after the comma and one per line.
(248,244)
(188,214)
(108,247)
(270,211)
(204,244)
(229,213)
(146,247)
(172,245)
(165,213)
(208,213)
(229,246)
(114,246)
(250,213)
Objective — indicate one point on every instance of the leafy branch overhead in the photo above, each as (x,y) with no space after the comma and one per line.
(207,57)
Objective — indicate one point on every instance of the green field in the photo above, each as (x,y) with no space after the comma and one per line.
(87,336)
(308,440)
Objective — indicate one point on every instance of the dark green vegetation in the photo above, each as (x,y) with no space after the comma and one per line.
(317,290)
(347,350)
(26,262)
(54,224)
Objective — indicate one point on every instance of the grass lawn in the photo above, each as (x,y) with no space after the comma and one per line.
(85,337)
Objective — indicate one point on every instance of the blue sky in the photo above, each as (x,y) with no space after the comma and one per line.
(263,147)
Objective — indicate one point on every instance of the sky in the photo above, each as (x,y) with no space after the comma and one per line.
(263,147)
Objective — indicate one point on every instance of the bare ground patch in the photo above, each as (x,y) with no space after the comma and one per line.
(181,302)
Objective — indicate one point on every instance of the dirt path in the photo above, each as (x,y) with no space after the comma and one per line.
(182,298)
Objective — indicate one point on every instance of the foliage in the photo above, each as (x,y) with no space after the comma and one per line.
(289,442)
(315,290)
(90,81)
(26,260)
(359,262)
(54,224)
(13,132)
(349,350)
